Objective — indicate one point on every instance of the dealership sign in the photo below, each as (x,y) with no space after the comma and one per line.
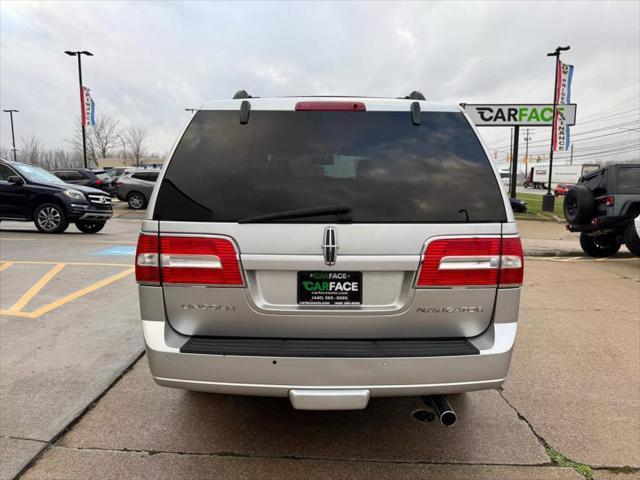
(519,115)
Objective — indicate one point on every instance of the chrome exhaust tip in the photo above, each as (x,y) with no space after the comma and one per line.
(443,410)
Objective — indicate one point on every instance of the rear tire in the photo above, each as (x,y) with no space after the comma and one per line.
(136,200)
(578,205)
(631,239)
(50,218)
(600,246)
(90,227)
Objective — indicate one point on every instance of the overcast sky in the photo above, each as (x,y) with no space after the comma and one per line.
(153,59)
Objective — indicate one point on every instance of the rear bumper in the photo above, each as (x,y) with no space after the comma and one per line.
(601,224)
(368,377)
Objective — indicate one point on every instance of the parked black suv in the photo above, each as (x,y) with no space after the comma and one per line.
(89,178)
(602,207)
(29,193)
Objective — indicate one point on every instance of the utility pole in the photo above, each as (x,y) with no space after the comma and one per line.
(571,158)
(548,200)
(526,150)
(82,110)
(13,137)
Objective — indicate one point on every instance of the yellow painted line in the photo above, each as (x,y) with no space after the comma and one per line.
(84,264)
(91,288)
(36,287)
(17,238)
(16,314)
(5,265)
(569,259)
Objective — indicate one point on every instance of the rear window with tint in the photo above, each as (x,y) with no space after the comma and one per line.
(378,163)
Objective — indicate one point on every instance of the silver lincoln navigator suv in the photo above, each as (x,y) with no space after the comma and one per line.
(329,250)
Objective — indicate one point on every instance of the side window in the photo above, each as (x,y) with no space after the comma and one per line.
(61,175)
(6,172)
(75,176)
(152,176)
(628,179)
(138,176)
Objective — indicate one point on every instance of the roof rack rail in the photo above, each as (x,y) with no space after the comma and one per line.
(415,95)
(241,94)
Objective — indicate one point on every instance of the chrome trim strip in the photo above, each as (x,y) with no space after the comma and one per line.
(190,261)
(485,262)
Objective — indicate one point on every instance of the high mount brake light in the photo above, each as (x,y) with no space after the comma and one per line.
(323,106)
(187,260)
(456,262)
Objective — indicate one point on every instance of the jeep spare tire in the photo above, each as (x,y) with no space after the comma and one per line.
(578,205)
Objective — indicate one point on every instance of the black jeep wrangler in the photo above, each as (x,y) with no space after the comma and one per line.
(602,207)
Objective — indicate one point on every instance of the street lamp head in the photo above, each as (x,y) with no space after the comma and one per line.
(11,110)
(70,53)
(557,51)
(84,52)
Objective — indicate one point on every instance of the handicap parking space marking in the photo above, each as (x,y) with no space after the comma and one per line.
(118,250)
(16,309)
(580,259)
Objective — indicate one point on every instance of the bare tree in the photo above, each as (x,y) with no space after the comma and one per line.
(76,143)
(32,148)
(105,134)
(135,138)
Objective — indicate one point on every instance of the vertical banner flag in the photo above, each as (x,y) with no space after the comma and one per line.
(562,139)
(88,108)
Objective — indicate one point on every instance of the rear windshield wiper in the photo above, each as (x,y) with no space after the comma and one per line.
(343,212)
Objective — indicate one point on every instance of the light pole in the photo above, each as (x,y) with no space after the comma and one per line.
(13,137)
(548,199)
(84,135)
(124,150)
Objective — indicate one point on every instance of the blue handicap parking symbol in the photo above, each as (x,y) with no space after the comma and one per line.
(118,250)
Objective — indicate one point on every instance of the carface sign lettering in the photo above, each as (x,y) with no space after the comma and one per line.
(524,115)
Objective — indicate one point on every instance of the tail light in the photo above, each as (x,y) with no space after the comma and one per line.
(147,260)
(610,201)
(99,182)
(456,262)
(118,184)
(187,260)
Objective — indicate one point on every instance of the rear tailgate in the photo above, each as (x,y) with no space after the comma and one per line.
(267,304)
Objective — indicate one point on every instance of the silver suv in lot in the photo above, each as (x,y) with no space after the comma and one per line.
(330,250)
(135,187)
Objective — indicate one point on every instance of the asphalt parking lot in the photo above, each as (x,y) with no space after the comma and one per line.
(78,401)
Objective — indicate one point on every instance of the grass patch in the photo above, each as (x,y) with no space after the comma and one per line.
(562,461)
(534,208)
